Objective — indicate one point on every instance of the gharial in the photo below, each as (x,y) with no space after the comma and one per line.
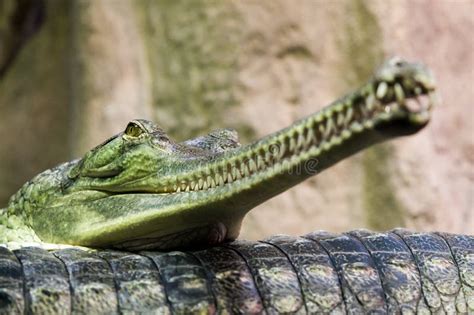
(140,190)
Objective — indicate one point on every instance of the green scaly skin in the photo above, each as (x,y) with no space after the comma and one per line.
(141,190)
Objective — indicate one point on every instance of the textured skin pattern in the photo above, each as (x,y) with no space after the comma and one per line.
(397,269)
(355,272)
(358,276)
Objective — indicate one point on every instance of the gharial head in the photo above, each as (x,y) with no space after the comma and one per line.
(403,93)
(144,159)
(140,189)
(398,100)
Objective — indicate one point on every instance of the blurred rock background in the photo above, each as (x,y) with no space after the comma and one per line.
(72,73)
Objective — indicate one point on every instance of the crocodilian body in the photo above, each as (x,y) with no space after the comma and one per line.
(141,190)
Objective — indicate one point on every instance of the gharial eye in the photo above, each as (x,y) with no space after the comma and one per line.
(133,130)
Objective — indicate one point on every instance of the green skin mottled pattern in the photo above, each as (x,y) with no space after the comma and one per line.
(141,190)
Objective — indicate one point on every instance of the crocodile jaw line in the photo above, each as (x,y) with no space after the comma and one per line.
(321,133)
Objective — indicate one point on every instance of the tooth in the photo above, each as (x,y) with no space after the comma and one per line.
(282,150)
(370,102)
(301,140)
(292,144)
(229,178)
(232,170)
(201,183)
(178,189)
(210,182)
(381,90)
(235,174)
(239,172)
(340,119)
(241,169)
(183,186)
(252,166)
(349,114)
(187,188)
(400,95)
(329,127)
(260,162)
(223,175)
(193,185)
(244,169)
(309,137)
(219,180)
(321,130)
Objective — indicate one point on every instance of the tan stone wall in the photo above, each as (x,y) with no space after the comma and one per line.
(34,98)
(255,66)
(424,182)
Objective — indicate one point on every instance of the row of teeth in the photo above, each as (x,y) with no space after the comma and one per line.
(330,127)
